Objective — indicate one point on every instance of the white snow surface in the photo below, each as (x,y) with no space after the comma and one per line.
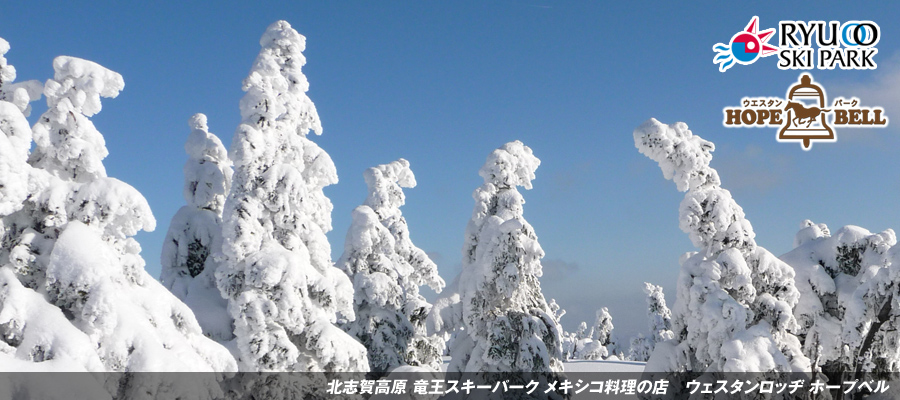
(142,328)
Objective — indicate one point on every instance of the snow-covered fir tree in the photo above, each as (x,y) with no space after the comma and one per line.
(187,268)
(845,281)
(508,325)
(603,329)
(387,270)
(658,314)
(735,300)
(21,94)
(659,322)
(872,320)
(569,344)
(591,350)
(568,339)
(583,332)
(584,346)
(75,293)
(276,271)
(15,143)
(641,348)
(558,312)
(603,341)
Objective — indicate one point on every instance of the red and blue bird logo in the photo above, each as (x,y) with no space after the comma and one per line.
(745,47)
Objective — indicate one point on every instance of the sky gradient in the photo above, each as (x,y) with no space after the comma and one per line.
(443,84)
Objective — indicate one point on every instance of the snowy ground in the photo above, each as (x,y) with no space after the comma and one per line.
(591,366)
(604,366)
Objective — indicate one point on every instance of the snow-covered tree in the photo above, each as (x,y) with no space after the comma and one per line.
(659,322)
(590,349)
(580,345)
(641,348)
(187,269)
(21,94)
(844,282)
(508,325)
(387,270)
(583,332)
(658,314)
(872,320)
(15,142)
(735,300)
(568,339)
(276,271)
(603,334)
(557,311)
(68,258)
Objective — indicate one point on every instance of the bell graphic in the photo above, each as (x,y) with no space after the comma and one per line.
(805,117)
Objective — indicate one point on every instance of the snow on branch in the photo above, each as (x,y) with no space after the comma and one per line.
(513,164)
(21,93)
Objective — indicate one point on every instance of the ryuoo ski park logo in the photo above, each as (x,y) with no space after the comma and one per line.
(745,47)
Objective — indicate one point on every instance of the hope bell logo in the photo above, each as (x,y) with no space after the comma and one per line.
(745,47)
(803,116)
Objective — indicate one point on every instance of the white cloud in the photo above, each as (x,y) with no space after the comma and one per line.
(752,169)
(882,90)
(555,269)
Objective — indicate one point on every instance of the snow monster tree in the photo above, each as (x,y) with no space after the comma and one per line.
(195,230)
(848,302)
(75,295)
(387,270)
(508,325)
(659,322)
(276,272)
(735,300)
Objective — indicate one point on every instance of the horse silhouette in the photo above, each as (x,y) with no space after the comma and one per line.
(802,113)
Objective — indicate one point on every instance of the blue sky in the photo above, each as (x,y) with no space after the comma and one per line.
(444,83)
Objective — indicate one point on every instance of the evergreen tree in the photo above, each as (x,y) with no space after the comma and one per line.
(582,332)
(659,323)
(872,321)
(276,271)
(187,269)
(845,284)
(603,330)
(20,94)
(387,270)
(735,300)
(75,293)
(508,325)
